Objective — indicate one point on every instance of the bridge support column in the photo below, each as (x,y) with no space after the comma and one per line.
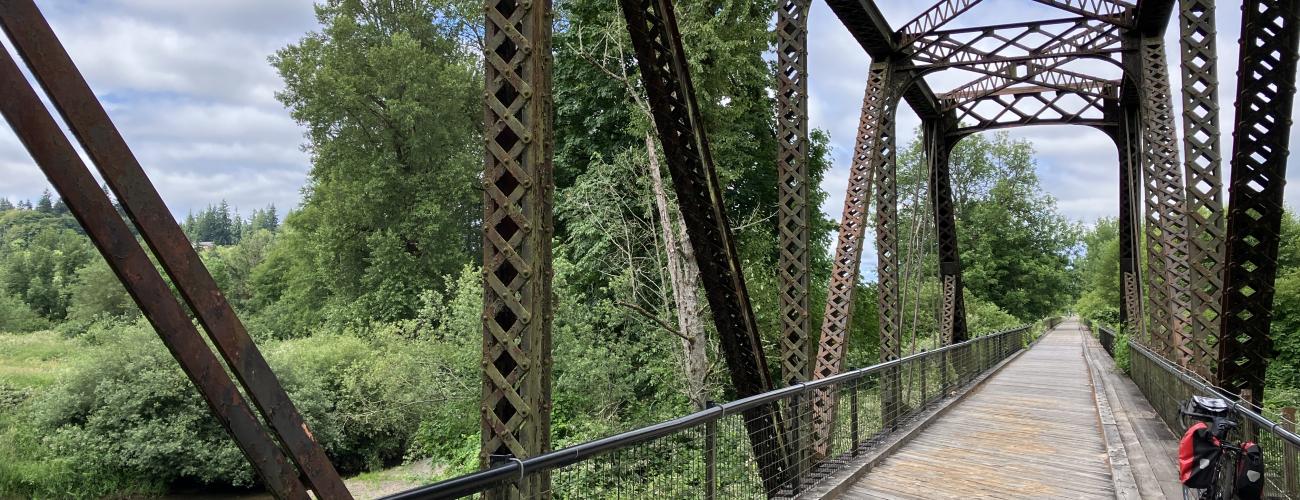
(952,312)
(1128,141)
(1266,88)
(792,216)
(874,150)
(1166,221)
(888,266)
(1202,160)
(517,228)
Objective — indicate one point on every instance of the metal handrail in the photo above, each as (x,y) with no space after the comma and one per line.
(1204,387)
(516,469)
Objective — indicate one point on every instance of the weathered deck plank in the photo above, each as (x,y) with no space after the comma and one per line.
(1031,431)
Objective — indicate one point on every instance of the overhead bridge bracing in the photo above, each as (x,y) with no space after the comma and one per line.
(1200,306)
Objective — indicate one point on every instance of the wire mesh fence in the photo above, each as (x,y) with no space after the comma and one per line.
(1166,386)
(726,451)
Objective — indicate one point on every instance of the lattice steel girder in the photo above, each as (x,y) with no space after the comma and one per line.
(1202,160)
(997,82)
(1128,140)
(952,307)
(874,148)
(517,230)
(792,214)
(1166,220)
(1111,11)
(666,76)
(1042,39)
(1043,107)
(937,15)
(890,316)
(83,113)
(792,187)
(1266,86)
(44,140)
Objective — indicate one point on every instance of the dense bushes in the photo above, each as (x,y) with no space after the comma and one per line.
(124,419)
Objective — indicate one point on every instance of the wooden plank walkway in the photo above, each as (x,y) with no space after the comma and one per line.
(1031,431)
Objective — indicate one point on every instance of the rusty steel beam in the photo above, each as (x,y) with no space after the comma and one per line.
(36,42)
(665,73)
(888,303)
(1151,17)
(874,147)
(1266,88)
(932,19)
(1166,219)
(997,82)
(1043,39)
(1128,139)
(55,155)
(518,195)
(1204,180)
(952,307)
(1043,107)
(792,187)
(1115,12)
(792,218)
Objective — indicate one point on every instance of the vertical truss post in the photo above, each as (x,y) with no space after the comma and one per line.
(54,153)
(1128,140)
(517,229)
(1266,85)
(888,267)
(665,73)
(874,147)
(952,314)
(792,212)
(792,165)
(1202,160)
(1166,221)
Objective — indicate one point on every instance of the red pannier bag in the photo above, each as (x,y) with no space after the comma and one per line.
(1250,473)
(1198,453)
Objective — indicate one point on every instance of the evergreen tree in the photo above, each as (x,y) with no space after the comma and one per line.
(46,203)
(5,204)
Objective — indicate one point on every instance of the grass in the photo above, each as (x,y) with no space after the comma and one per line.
(33,360)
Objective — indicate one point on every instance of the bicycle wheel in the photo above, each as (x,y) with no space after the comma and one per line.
(1227,475)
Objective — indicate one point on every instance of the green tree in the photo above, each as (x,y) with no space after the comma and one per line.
(98,293)
(1098,271)
(1015,245)
(46,203)
(391,99)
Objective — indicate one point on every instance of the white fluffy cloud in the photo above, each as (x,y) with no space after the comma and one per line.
(188,83)
(189,86)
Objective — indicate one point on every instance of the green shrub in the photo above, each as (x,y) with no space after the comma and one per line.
(17,317)
(1122,353)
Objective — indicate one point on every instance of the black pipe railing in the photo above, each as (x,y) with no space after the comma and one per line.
(1166,385)
(1106,336)
(707,455)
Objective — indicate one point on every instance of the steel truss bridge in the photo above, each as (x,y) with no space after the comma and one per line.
(1198,310)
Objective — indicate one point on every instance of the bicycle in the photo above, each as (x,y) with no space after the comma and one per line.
(1211,463)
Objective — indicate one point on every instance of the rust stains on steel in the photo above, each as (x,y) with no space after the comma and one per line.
(36,42)
(664,71)
(41,136)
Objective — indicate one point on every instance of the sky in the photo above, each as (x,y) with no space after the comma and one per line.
(188,84)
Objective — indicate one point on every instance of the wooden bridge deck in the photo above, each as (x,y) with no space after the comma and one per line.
(1033,430)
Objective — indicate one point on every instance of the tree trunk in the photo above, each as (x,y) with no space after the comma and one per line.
(683,275)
